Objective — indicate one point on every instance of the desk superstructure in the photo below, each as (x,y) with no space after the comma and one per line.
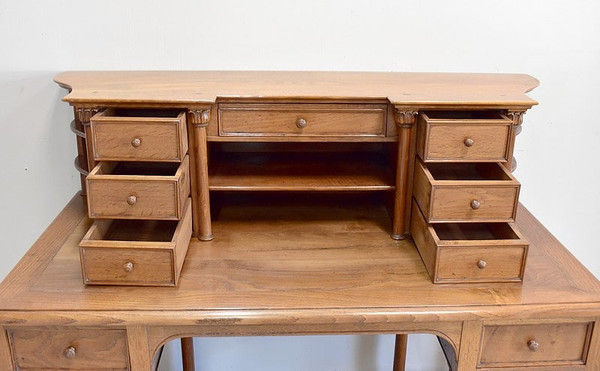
(266,200)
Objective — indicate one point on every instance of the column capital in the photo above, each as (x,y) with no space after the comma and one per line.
(199,117)
(84,114)
(405,117)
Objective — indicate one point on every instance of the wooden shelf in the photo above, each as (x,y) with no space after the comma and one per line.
(300,172)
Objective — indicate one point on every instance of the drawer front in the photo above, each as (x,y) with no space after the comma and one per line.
(536,344)
(463,136)
(467,143)
(139,196)
(476,203)
(128,266)
(487,264)
(138,138)
(293,120)
(70,349)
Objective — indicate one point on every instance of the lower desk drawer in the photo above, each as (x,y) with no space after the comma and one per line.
(469,252)
(526,345)
(135,252)
(69,349)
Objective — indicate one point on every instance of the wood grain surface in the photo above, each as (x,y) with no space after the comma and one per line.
(187,88)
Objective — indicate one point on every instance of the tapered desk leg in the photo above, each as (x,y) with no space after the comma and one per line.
(187,354)
(139,350)
(400,352)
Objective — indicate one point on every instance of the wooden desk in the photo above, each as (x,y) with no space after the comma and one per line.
(353,279)
(309,174)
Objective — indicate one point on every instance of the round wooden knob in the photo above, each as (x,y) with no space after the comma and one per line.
(70,352)
(132,199)
(481,264)
(136,142)
(469,142)
(475,204)
(301,123)
(533,345)
(128,267)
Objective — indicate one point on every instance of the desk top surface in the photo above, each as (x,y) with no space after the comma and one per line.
(189,88)
(321,261)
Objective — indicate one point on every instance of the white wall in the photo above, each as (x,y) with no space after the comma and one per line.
(555,41)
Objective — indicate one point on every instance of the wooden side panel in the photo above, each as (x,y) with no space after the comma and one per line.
(61,348)
(424,241)
(182,239)
(422,187)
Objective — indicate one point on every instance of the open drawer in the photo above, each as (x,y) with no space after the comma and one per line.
(469,252)
(139,135)
(465,192)
(138,190)
(463,136)
(136,252)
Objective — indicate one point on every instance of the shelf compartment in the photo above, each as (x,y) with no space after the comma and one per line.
(326,171)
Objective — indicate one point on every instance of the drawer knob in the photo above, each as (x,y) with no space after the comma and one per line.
(70,352)
(301,123)
(533,345)
(469,142)
(481,264)
(132,199)
(136,142)
(128,267)
(475,204)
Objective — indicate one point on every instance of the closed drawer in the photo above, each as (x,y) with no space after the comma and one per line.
(135,252)
(546,344)
(138,190)
(469,192)
(69,349)
(469,252)
(302,120)
(139,135)
(463,136)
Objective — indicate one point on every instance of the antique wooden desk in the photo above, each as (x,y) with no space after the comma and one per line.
(298,241)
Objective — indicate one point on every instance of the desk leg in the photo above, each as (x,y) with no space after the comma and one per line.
(187,354)
(470,341)
(400,352)
(139,349)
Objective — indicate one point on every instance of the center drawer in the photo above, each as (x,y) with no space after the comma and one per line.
(138,190)
(69,349)
(302,119)
(465,192)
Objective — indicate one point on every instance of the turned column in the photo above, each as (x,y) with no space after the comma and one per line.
(405,120)
(517,119)
(199,121)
